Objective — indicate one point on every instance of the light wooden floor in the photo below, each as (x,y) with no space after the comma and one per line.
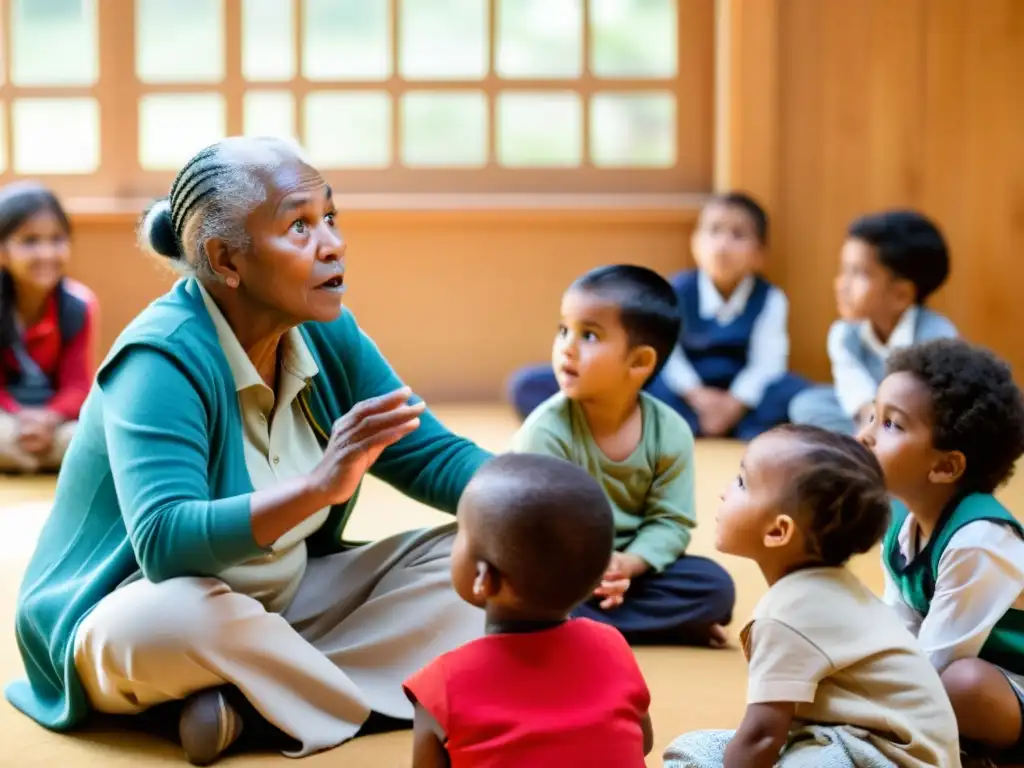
(691,688)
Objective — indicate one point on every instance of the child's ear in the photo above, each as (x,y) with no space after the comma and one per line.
(487,582)
(780,532)
(642,360)
(949,469)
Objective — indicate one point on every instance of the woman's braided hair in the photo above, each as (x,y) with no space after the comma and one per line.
(837,495)
(210,198)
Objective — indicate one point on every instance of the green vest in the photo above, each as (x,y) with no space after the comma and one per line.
(916,579)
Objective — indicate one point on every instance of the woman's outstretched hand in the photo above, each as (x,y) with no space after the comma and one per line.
(356,442)
(359,437)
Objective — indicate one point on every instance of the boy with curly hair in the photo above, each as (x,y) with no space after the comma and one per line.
(947,427)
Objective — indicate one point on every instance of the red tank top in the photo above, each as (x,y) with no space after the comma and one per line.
(570,695)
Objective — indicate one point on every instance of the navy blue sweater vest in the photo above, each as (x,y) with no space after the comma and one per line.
(716,352)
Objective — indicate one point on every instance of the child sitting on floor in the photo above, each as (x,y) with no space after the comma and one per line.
(540,689)
(891,263)
(618,324)
(948,426)
(836,681)
(728,375)
(48,330)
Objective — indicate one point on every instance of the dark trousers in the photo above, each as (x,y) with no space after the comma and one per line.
(676,606)
(533,385)
(770,412)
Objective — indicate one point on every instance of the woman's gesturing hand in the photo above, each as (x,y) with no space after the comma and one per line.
(359,437)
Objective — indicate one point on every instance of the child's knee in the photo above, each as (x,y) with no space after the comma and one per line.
(965,681)
(975,686)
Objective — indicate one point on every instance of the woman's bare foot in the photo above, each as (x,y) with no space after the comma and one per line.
(717,637)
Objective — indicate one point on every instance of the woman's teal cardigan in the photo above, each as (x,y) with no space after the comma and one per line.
(155,479)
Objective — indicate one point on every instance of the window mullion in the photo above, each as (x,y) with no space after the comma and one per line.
(6,90)
(491,76)
(586,79)
(397,84)
(118,91)
(234,85)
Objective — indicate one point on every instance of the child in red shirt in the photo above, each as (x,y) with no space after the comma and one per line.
(540,689)
(47,331)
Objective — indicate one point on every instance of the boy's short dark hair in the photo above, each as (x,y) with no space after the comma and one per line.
(839,494)
(977,408)
(648,307)
(909,245)
(545,524)
(749,206)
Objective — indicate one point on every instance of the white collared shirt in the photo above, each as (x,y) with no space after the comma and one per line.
(854,386)
(902,335)
(768,353)
(981,576)
(278,443)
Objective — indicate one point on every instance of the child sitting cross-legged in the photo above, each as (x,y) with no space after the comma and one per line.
(540,689)
(618,325)
(836,680)
(947,426)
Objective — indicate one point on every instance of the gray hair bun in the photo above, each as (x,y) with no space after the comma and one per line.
(156,232)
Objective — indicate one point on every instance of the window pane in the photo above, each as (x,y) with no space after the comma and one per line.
(54,42)
(540,129)
(180,41)
(633,129)
(268,40)
(539,38)
(346,39)
(56,135)
(348,129)
(443,39)
(444,128)
(173,127)
(269,113)
(633,38)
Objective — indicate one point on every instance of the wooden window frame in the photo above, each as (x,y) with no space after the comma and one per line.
(118,91)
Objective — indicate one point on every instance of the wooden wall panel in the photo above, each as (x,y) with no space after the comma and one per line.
(903,103)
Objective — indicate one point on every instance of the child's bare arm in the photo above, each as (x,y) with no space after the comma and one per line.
(761,736)
(427,741)
(648,728)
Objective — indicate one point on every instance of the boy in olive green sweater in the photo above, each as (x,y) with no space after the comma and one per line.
(618,326)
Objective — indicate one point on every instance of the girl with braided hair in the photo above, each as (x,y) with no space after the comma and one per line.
(196,549)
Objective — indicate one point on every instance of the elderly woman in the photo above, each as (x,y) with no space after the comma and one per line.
(196,546)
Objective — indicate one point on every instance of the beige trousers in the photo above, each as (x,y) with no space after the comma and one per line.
(360,624)
(14,459)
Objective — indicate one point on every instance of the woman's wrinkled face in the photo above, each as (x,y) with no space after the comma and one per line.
(296,262)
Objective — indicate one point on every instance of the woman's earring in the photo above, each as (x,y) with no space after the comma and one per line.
(232,282)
